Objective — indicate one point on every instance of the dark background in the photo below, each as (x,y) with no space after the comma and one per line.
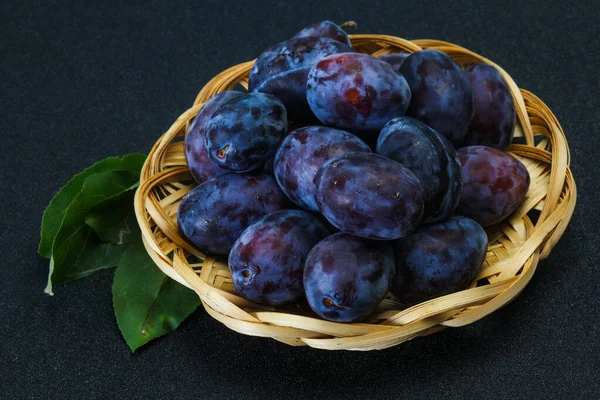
(80,83)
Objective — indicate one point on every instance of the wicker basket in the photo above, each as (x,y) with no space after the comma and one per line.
(515,247)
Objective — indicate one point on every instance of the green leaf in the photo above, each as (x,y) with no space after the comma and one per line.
(73,248)
(147,303)
(114,220)
(94,256)
(54,214)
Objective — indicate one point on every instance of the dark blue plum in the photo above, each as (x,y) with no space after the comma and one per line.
(395,59)
(301,155)
(369,195)
(243,133)
(430,157)
(214,214)
(441,94)
(327,29)
(494,115)
(346,277)
(267,260)
(201,166)
(494,184)
(282,71)
(438,259)
(356,92)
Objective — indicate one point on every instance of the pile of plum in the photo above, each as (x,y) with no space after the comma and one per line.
(339,177)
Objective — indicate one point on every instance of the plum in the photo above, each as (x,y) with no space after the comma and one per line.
(303,152)
(369,195)
(245,132)
(346,277)
(494,115)
(438,259)
(283,69)
(214,214)
(430,157)
(267,260)
(441,93)
(201,166)
(328,29)
(356,92)
(494,184)
(395,59)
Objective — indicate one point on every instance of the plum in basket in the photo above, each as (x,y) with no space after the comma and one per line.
(243,133)
(214,214)
(201,166)
(431,157)
(494,184)
(301,155)
(346,277)
(438,259)
(267,260)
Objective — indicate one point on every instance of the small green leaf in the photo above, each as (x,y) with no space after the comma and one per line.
(73,247)
(51,221)
(114,220)
(147,303)
(94,256)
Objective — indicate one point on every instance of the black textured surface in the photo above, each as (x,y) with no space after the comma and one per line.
(80,83)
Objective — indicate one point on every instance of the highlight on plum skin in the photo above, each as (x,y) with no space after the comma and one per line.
(494,184)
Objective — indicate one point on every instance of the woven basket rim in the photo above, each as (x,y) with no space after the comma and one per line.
(516,245)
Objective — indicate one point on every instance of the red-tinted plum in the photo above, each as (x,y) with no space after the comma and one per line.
(356,92)
(441,94)
(494,115)
(494,184)
(369,195)
(430,157)
(245,132)
(283,69)
(201,166)
(214,214)
(303,152)
(346,277)
(438,259)
(267,260)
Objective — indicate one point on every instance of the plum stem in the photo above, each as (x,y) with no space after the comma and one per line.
(349,25)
